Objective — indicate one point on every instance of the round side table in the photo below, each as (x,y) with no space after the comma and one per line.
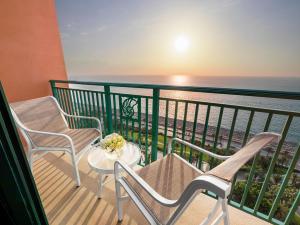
(104,166)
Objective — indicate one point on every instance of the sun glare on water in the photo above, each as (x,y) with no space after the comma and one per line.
(179,79)
(181,43)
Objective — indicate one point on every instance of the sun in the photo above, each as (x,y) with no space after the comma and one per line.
(181,43)
(179,79)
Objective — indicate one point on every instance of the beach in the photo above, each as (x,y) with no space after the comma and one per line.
(288,149)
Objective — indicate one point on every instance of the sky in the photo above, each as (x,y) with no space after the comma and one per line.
(189,37)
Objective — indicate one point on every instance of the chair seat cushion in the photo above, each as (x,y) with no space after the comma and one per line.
(169,177)
(80,137)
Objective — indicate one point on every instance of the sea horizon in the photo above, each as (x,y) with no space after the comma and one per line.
(287,83)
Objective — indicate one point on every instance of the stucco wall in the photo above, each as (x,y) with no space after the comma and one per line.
(30,48)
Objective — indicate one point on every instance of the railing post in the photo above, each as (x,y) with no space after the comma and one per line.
(155,121)
(108,109)
(53,88)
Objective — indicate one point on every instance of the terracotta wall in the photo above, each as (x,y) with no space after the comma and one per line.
(30,48)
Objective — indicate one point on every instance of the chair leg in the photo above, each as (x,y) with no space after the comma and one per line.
(119,201)
(100,185)
(225,211)
(76,171)
(30,159)
(212,213)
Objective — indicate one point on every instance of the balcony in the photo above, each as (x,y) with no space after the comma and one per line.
(265,191)
(205,38)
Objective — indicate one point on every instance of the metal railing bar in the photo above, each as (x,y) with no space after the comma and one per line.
(231,131)
(217,133)
(115,112)
(166,127)
(99,109)
(175,121)
(121,117)
(246,135)
(241,107)
(139,120)
(253,166)
(184,126)
(284,183)
(194,130)
(146,131)
(79,109)
(71,107)
(105,129)
(272,164)
(293,209)
(204,135)
(76,107)
(78,89)
(229,91)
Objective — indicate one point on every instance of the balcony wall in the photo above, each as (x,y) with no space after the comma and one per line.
(30,48)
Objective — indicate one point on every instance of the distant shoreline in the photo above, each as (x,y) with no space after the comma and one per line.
(211,130)
(237,138)
(288,147)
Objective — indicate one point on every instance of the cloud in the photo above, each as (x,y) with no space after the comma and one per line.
(83,33)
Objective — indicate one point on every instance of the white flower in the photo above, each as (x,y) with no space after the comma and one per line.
(113,143)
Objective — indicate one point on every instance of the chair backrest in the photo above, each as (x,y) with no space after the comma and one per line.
(229,167)
(40,114)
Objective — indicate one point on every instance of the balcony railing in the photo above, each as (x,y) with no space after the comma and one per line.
(267,187)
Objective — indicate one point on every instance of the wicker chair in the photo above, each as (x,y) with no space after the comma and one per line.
(43,124)
(165,188)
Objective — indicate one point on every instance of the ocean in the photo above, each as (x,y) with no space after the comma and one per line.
(260,83)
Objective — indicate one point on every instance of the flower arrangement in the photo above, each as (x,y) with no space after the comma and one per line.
(113,145)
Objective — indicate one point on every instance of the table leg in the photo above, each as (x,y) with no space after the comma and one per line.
(100,185)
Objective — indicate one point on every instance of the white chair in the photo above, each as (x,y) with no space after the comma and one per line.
(43,124)
(165,188)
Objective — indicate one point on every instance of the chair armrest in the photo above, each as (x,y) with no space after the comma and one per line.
(48,133)
(227,169)
(156,196)
(85,117)
(199,149)
(213,184)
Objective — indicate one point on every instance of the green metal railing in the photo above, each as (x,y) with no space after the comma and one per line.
(267,187)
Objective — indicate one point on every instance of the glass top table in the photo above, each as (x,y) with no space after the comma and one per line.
(104,166)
